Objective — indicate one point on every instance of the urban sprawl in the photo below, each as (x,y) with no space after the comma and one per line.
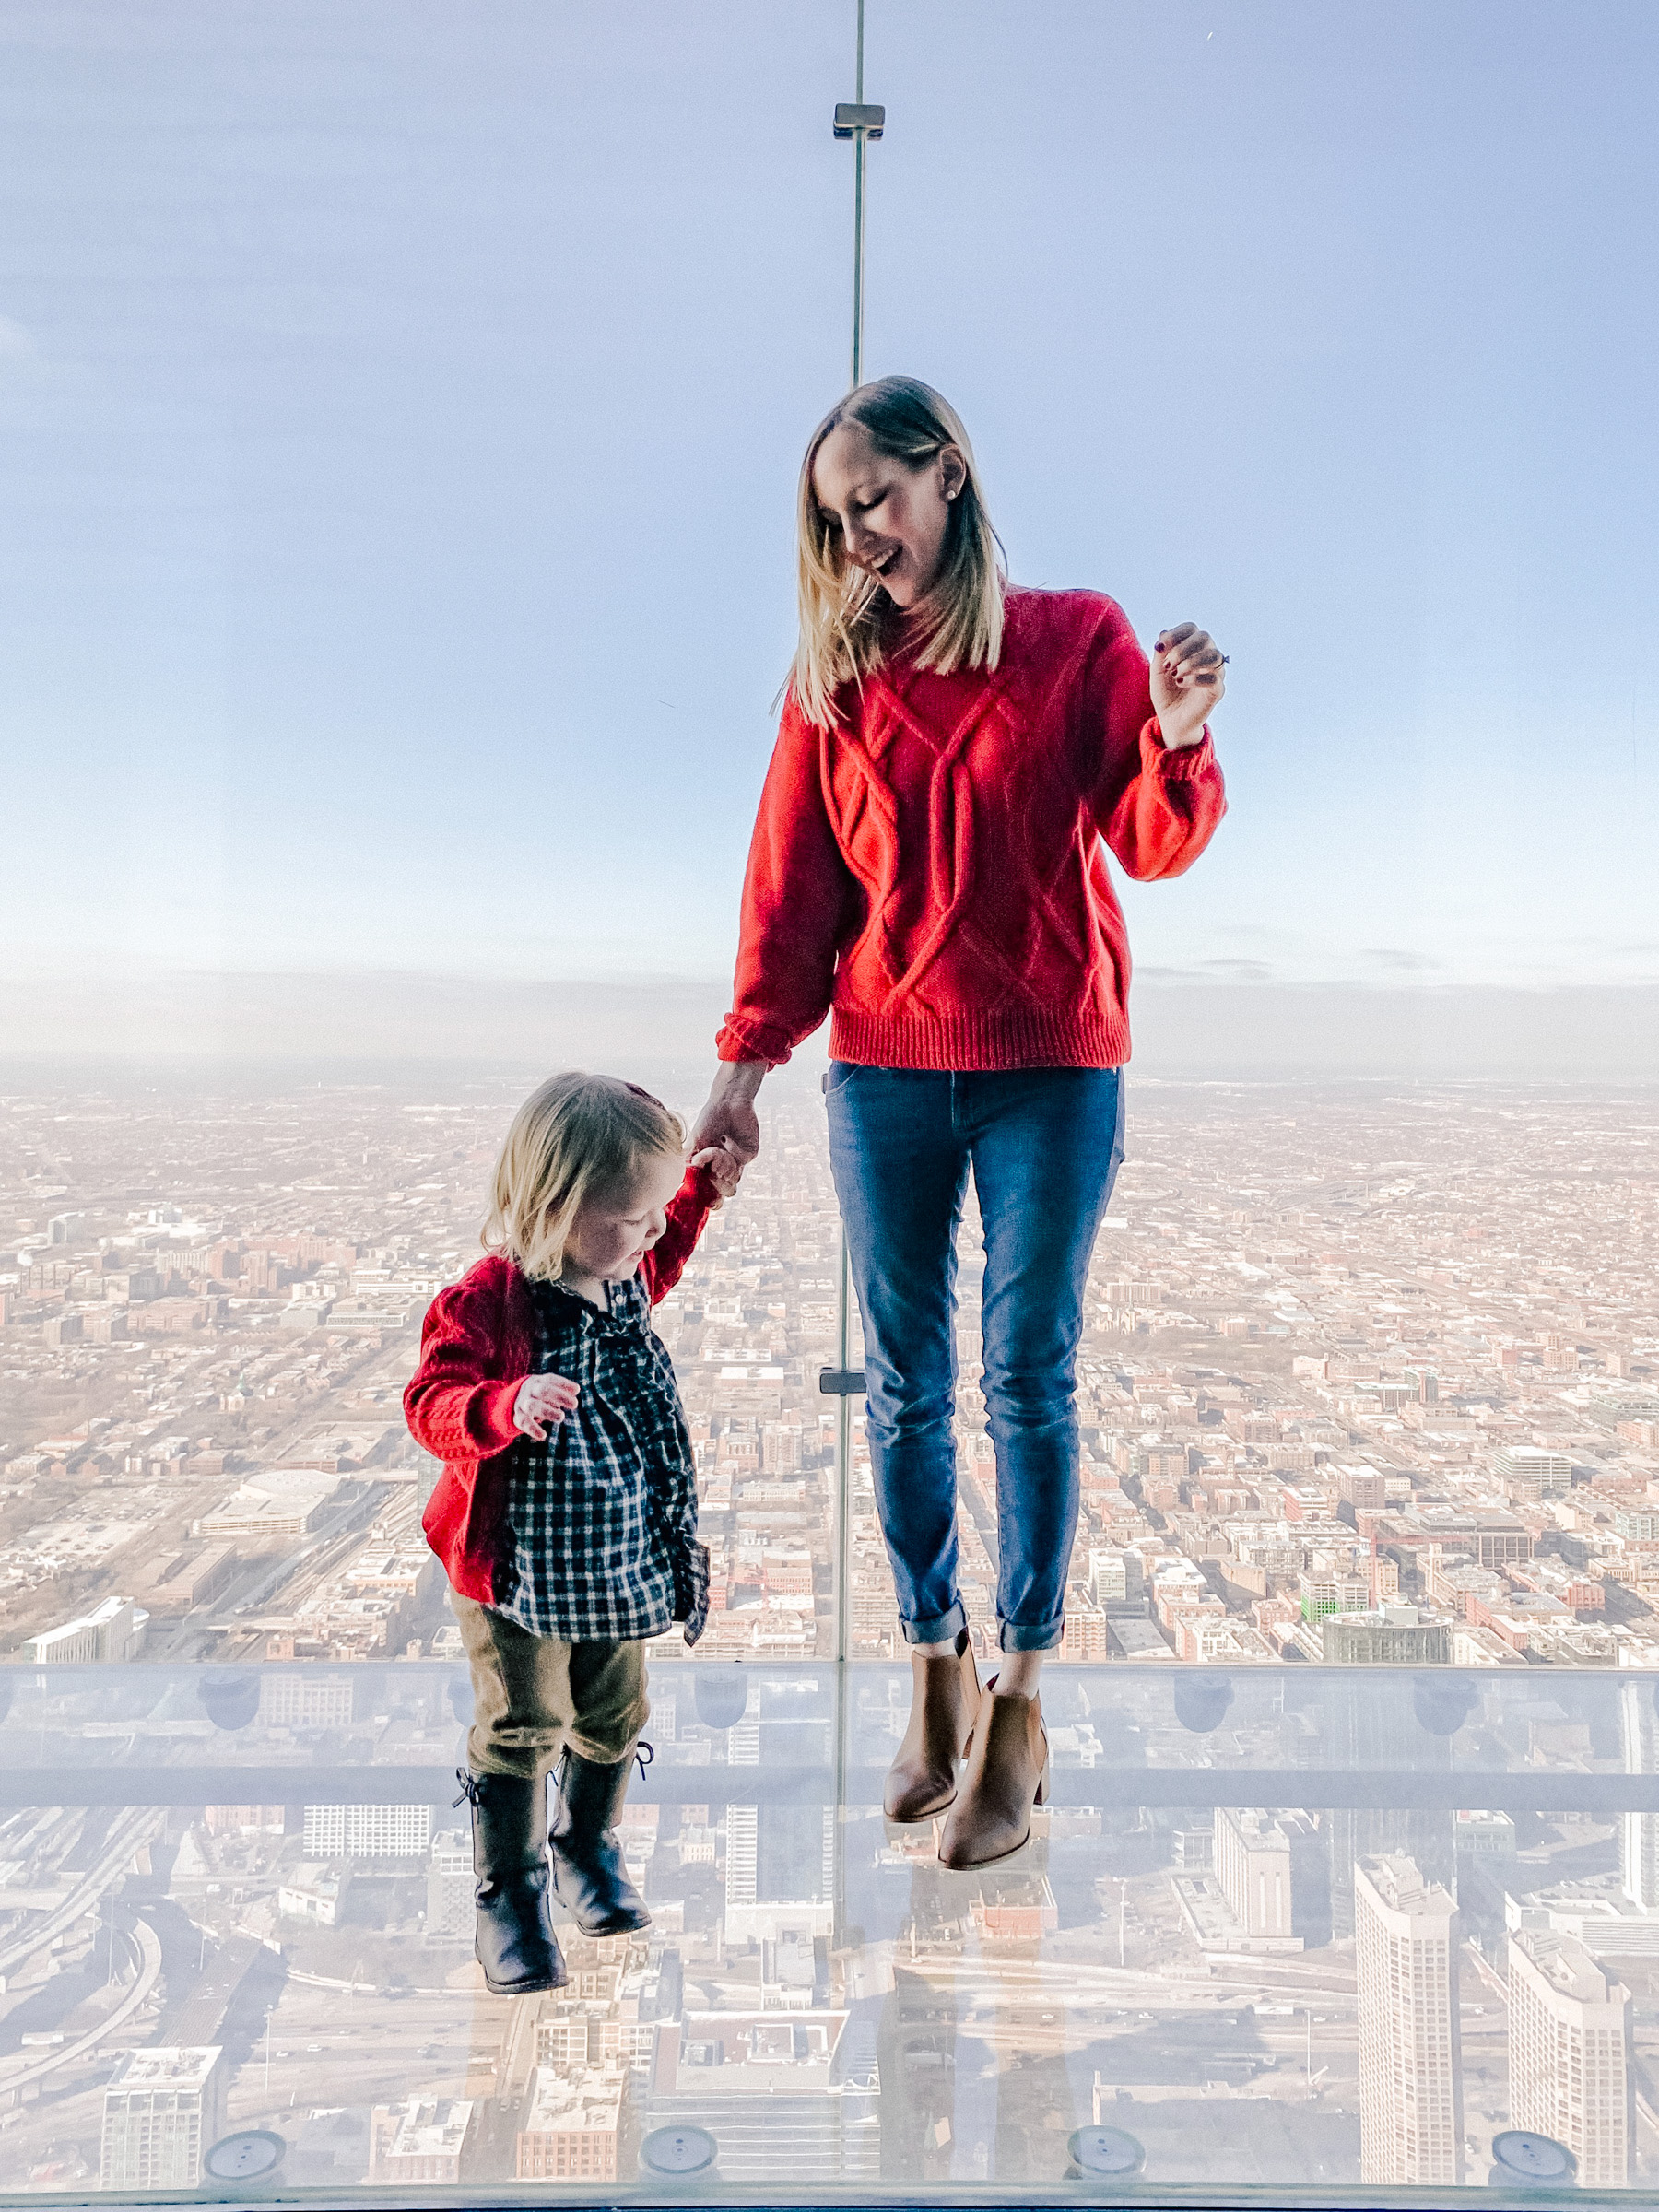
(1369,1375)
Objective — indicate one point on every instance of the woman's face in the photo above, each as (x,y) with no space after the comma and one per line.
(887,518)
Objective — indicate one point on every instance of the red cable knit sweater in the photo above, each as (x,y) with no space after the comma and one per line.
(932,867)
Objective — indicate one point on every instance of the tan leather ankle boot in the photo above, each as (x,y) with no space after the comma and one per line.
(1008,1773)
(945,1699)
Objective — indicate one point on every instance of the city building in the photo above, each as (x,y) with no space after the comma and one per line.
(1532,1472)
(1253,1870)
(110,1633)
(1571,2063)
(450,1885)
(573,2121)
(783,2092)
(313,1893)
(368,1832)
(780,1862)
(1405,1938)
(422,2140)
(162,2109)
(1390,1636)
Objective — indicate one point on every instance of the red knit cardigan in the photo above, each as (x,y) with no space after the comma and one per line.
(932,865)
(476,1349)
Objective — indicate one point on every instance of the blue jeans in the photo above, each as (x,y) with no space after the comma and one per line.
(1044,1146)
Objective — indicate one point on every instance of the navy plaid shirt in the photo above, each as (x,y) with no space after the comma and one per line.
(604,1513)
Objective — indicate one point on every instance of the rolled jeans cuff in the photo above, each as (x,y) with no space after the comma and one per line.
(1015,1636)
(944,1628)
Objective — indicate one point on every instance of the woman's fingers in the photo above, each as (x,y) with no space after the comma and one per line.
(1192,658)
(1206,669)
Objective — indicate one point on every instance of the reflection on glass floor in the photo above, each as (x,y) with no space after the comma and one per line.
(1299,1932)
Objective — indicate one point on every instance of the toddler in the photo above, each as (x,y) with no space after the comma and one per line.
(565,1513)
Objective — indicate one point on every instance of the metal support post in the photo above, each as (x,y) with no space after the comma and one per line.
(860,123)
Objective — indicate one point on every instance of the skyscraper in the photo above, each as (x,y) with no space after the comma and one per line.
(1571,2074)
(1410,2066)
(162,2109)
(1375,1724)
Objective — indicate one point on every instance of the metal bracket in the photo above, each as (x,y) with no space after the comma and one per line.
(840,1381)
(851,117)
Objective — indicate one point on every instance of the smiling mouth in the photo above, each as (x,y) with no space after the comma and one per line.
(888,560)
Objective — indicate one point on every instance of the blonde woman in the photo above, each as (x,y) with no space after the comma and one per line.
(565,1513)
(956,758)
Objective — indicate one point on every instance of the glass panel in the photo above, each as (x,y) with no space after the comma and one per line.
(1286,1931)
(399,463)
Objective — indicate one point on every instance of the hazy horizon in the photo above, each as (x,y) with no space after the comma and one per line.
(1183,1031)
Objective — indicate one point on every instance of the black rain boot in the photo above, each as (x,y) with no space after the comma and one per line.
(514,1943)
(588,1873)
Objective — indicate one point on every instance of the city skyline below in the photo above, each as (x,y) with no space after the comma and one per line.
(1349,1866)
(1368,1375)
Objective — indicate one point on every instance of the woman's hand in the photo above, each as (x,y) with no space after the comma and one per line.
(1186,682)
(542,1403)
(729,1119)
(723,1166)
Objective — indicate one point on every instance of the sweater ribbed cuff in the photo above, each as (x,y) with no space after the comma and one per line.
(979,1044)
(737,1041)
(1180,761)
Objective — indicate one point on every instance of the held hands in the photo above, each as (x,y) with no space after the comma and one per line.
(729,1120)
(542,1403)
(723,1166)
(1186,682)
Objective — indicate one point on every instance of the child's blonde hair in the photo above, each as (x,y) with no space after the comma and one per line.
(576,1136)
(842,607)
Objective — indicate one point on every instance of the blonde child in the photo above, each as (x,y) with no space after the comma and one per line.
(565,1513)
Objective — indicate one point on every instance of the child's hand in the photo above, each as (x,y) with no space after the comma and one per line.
(542,1403)
(723,1168)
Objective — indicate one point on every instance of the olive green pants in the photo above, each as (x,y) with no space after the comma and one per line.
(533,1695)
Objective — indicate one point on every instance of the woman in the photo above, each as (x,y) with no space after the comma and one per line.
(927,865)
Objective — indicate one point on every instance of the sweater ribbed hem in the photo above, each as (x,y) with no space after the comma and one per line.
(971,1043)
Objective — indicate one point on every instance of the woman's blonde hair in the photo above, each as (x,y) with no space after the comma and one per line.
(576,1136)
(843,608)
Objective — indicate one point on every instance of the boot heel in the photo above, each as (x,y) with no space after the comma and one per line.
(1043,1785)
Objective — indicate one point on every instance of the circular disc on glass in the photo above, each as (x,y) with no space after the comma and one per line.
(1531,2158)
(677,2150)
(1107,2151)
(245,2156)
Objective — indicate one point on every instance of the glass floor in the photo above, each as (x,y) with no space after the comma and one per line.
(1290,1935)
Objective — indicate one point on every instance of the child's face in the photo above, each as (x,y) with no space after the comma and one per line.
(613,1231)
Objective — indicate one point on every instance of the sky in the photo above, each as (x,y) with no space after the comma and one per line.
(401,406)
